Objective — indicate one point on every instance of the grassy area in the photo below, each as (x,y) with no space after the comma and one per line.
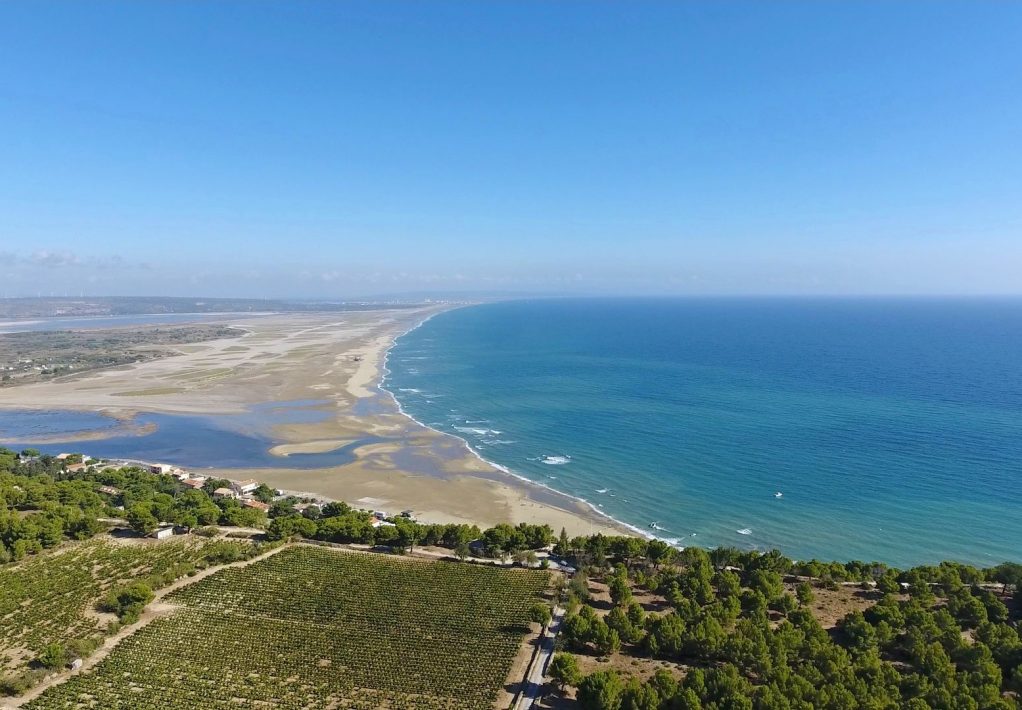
(52,597)
(322,628)
(39,355)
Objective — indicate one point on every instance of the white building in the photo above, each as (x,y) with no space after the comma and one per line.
(163,533)
(245,487)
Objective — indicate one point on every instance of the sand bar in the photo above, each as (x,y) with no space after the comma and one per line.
(336,360)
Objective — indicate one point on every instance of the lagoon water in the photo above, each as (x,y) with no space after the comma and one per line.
(196,442)
(891,428)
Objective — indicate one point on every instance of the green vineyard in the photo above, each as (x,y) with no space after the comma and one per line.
(51,597)
(315,628)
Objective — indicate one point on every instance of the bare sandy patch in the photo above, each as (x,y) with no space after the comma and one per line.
(320,446)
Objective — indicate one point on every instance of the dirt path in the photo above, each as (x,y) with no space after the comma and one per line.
(535,674)
(156,608)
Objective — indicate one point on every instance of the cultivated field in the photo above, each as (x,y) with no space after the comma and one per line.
(316,628)
(51,597)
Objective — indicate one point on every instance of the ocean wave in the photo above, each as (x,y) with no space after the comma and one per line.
(477,431)
(744,531)
(550,460)
(602,490)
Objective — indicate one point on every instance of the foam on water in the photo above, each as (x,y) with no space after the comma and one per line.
(702,409)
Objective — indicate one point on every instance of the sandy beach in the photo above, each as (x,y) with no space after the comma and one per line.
(334,361)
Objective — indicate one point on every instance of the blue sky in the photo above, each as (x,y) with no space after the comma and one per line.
(346,148)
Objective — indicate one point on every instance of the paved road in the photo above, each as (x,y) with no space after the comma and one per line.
(534,680)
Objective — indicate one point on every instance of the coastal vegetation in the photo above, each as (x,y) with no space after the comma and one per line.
(340,523)
(311,627)
(42,503)
(38,355)
(733,629)
(648,626)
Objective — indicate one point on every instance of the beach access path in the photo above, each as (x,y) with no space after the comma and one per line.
(534,677)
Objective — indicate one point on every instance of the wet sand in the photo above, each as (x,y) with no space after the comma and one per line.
(335,358)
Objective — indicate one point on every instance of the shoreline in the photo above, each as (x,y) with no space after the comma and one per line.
(342,359)
(518,478)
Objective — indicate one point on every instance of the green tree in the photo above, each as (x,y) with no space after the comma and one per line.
(602,690)
(408,534)
(639,696)
(562,546)
(804,592)
(211,484)
(659,553)
(264,493)
(620,591)
(129,601)
(53,656)
(579,586)
(664,684)
(564,670)
(540,613)
(888,583)
(1009,574)
(289,526)
(604,638)
(859,633)
(786,604)
(141,519)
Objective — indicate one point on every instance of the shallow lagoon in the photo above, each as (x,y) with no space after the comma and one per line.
(209,441)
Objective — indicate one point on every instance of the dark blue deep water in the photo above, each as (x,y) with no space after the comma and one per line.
(892,428)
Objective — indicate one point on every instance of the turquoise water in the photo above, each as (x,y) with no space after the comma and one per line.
(892,428)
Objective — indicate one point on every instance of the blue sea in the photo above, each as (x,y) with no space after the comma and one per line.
(866,429)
